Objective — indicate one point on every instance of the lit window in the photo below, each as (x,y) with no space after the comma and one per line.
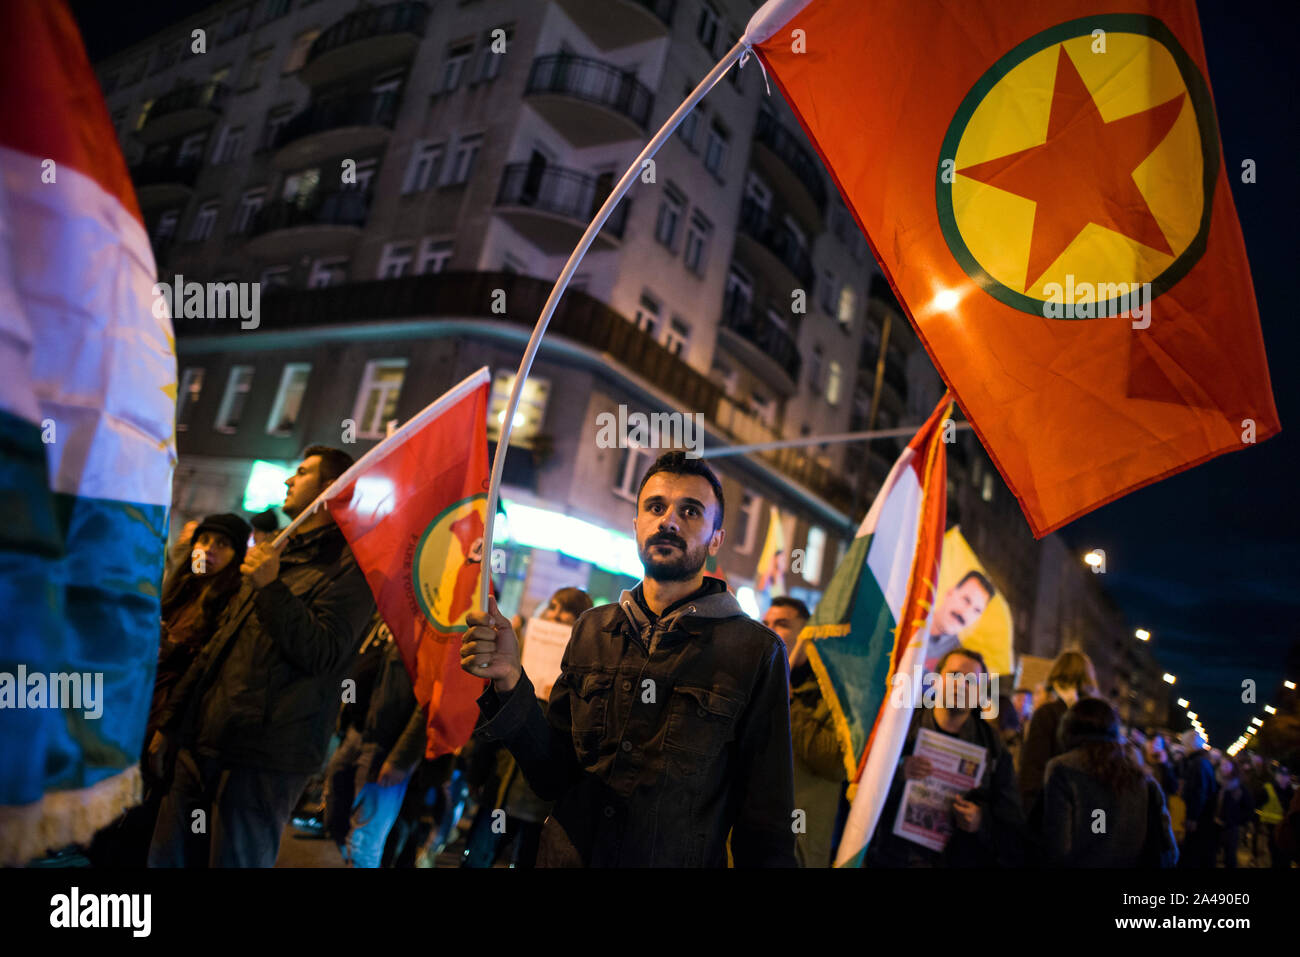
(848,304)
(288,399)
(987,493)
(377,400)
(529,413)
(833,382)
(232,403)
(812,559)
(191,387)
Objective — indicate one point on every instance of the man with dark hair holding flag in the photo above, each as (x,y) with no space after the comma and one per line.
(668,728)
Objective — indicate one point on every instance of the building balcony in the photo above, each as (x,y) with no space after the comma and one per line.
(587,101)
(771,243)
(791,168)
(620,23)
(164,182)
(326,223)
(551,207)
(579,318)
(365,41)
(183,110)
(344,125)
(767,346)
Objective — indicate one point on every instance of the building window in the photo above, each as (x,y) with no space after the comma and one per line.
(812,557)
(396,260)
(527,423)
(489,61)
(750,512)
(697,242)
(249,205)
(299,51)
(631,468)
(232,403)
(228,147)
(828,297)
(677,335)
(274,277)
(166,227)
(814,371)
(848,305)
(689,128)
(434,255)
(462,165)
(327,272)
(670,215)
(454,70)
(764,409)
(288,399)
(987,492)
(204,222)
(647,313)
(833,382)
(252,74)
(739,294)
(424,167)
(715,154)
(275,121)
(706,28)
(377,400)
(191,387)
(191,150)
(725,376)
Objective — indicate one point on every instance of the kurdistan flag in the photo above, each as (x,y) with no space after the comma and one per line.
(87,403)
(1043,185)
(873,621)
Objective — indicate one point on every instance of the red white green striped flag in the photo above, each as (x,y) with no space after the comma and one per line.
(873,621)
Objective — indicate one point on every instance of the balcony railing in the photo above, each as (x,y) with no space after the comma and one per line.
(564,192)
(358,109)
(593,81)
(344,207)
(376,21)
(167,170)
(793,153)
(199,96)
(777,238)
(741,317)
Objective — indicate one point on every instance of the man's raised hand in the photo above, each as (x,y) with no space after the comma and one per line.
(490,648)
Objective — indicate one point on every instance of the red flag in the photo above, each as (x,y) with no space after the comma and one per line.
(1044,187)
(413,515)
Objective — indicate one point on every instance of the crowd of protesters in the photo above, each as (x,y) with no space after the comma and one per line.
(722,751)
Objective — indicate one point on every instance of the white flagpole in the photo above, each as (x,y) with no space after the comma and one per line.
(619,190)
(394,439)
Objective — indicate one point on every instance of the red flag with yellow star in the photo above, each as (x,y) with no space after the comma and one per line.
(1043,186)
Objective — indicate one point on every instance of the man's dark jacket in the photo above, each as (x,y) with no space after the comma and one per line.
(662,737)
(266,690)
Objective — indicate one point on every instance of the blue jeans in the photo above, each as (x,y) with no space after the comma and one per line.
(373,814)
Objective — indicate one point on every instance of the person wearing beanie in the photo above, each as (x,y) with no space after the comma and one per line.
(1101,808)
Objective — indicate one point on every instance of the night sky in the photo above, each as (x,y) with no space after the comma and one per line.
(1207,560)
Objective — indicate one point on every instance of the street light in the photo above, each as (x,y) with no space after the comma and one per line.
(1142,634)
(1250,730)
(1270,709)
(1192,715)
(1169,679)
(1183,702)
(1093,558)
(1289,685)
(1256,722)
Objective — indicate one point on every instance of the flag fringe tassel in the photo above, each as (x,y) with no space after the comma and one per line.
(60,818)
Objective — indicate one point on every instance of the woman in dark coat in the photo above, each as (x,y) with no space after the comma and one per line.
(1072,677)
(1101,808)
